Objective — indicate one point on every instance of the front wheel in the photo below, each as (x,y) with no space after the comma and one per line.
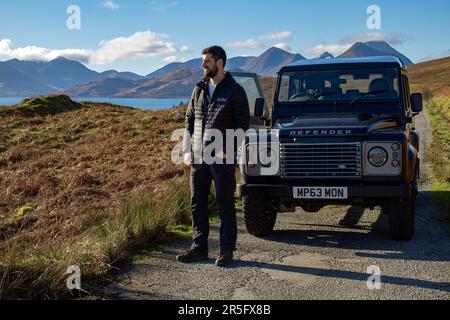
(402,216)
(260,215)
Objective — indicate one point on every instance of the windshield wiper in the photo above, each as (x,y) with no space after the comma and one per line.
(318,95)
(364,95)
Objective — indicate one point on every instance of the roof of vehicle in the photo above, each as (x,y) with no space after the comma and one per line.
(346,61)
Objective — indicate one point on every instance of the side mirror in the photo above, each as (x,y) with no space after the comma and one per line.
(417,102)
(259,107)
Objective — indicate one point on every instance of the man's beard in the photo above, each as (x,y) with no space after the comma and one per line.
(211,73)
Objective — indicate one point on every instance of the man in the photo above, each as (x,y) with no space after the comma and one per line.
(218,102)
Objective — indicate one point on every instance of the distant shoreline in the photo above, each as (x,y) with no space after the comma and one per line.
(139,103)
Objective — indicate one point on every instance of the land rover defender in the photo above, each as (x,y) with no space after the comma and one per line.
(345,135)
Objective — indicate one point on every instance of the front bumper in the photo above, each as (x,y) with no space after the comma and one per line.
(354,192)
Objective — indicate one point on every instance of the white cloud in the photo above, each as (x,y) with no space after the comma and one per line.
(246,44)
(185,49)
(139,45)
(171,59)
(5,46)
(42,54)
(110,4)
(283,46)
(263,41)
(163,5)
(146,44)
(277,36)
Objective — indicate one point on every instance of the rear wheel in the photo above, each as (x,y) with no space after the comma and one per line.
(260,215)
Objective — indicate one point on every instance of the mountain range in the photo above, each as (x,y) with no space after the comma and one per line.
(175,80)
(25,78)
(374,48)
(176,84)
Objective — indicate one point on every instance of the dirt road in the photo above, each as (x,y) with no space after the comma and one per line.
(311,256)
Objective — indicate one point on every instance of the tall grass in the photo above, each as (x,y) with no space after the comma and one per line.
(40,272)
(145,219)
(439,110)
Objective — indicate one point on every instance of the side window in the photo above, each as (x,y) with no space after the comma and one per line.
(252,87)
(406,93)
(252,91)
(284,88)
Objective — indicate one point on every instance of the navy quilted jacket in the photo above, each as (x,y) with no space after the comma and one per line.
(228,108)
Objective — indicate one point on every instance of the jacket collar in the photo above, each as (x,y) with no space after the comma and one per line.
(203,84)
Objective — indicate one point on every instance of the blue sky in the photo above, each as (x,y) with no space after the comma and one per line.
(142,35)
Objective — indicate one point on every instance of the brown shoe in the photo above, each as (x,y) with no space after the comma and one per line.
(225,259)
(193,256)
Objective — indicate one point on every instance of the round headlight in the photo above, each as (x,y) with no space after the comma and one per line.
(378,157)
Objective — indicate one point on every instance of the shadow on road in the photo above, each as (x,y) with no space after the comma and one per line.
(342,274)
(430,243)
(352,217)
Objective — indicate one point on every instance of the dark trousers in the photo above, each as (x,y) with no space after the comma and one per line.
(225,183)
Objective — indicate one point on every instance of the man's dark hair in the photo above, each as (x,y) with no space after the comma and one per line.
(217,53)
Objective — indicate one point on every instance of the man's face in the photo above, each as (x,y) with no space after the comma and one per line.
(209,65)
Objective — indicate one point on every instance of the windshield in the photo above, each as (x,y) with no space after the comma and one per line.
(351,85)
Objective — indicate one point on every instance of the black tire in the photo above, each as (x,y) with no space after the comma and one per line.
(416,179)
(260,215)
(402,218)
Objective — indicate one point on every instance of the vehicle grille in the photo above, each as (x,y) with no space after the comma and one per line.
(320,160)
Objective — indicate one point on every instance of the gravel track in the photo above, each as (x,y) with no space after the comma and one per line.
(323,255)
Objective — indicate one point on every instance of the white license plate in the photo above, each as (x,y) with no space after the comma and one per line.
(320,193)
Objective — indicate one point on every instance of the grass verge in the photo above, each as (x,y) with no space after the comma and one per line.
(136,232)
(439,110)
(65,171)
